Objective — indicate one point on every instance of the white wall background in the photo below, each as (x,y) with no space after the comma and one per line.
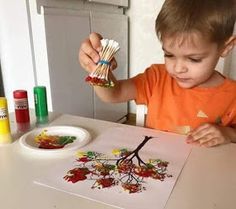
(145,48)
(14,42)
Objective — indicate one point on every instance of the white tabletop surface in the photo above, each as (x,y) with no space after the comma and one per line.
(208,180)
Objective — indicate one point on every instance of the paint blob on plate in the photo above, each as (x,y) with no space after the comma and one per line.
(54,139)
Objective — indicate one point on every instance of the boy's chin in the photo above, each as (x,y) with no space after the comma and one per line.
(186,85)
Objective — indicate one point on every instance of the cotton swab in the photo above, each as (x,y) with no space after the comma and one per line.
(100,76)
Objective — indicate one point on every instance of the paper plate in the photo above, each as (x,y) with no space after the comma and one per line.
(82,138)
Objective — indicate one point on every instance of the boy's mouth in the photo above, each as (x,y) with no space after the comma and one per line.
(182,79)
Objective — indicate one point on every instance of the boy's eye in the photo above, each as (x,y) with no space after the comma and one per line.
(168,55)
(195,60)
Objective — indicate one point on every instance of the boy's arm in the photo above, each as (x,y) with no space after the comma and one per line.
(123,91)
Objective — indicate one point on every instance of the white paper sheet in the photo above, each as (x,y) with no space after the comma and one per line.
(166,146)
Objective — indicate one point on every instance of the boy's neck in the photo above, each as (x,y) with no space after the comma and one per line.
(216,79)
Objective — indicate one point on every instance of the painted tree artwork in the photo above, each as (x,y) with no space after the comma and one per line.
(126,169)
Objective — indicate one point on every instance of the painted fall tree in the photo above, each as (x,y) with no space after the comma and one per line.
(126,169)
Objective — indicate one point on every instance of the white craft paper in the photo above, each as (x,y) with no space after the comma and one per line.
(166,146)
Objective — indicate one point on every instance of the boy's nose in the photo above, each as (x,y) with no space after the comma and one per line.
(180,67)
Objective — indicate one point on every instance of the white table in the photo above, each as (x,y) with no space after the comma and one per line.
(207,181)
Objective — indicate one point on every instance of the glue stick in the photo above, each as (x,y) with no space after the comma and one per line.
(21,110)
(41,107)
(5,132)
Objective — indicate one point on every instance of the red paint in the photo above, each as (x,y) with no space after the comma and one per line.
(83,159)
(77,174)
(106,182)
(21,110)
(49,144)
(132,188)
(144,171)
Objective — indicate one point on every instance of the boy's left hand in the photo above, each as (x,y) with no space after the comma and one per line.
(209,135)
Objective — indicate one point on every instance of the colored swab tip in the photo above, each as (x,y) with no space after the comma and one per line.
(95,81)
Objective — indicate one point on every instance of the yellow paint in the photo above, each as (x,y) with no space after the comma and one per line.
(116,152)
(81,154)
(5,132)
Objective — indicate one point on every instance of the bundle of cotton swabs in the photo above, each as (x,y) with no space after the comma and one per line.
(100,76)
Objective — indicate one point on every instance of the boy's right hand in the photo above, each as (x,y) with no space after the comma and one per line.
(89,53)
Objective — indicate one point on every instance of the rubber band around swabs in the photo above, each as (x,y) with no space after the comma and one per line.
(104,62)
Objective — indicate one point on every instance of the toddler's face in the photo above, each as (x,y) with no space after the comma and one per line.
(191,59)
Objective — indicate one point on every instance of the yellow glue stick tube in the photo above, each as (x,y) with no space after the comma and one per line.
(5,132)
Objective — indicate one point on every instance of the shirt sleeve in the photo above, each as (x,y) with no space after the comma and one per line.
(145,83)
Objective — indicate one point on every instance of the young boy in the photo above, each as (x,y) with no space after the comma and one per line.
(185,95)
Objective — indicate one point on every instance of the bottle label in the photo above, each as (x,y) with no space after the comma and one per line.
(3,113)
(21,104)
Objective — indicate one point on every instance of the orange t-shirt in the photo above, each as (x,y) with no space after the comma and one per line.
(175,109)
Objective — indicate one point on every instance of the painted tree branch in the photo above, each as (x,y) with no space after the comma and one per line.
(135,153)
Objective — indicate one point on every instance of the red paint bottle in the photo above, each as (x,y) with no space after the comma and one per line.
(21,110)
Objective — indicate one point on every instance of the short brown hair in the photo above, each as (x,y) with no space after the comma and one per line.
(212,18)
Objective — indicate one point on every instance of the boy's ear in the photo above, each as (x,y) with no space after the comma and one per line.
(228,46)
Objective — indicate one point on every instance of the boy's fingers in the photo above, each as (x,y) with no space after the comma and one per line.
(200,132)
(86,62)
(192,142)
(86,48)
(206,141)
(206,138)
(200,128)
(95,41)
(113,64)
(213,142)
(199,139)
